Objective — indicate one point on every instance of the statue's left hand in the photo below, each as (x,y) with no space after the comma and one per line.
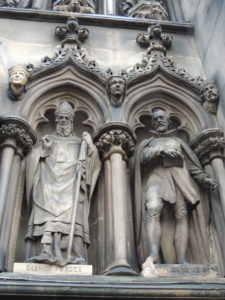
(210,183)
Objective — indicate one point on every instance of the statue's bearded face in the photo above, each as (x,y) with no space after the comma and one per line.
(117,86)
(64,125)
(160,120)
(211,93)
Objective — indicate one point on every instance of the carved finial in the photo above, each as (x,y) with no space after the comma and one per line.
(116,88)
(158,43)
(210,96)
(71,33)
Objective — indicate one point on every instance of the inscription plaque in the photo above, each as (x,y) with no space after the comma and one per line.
(44,269)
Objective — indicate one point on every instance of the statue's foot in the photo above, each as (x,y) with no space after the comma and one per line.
(78,261)
(182,261)
(43,257)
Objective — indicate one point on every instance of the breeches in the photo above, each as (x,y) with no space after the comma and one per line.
(154,205)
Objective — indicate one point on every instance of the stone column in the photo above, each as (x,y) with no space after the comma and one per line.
(116,143)
(209,147)
(107,7)
(17,139)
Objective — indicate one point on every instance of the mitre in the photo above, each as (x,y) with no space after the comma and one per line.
(65,107)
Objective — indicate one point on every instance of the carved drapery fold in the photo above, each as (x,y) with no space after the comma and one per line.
(17,139)
(116,144)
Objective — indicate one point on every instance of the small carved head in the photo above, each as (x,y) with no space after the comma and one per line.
(155,31)
(210,92)
(64,119)
(72,23)
(116,87)
(18,77)
(160,119)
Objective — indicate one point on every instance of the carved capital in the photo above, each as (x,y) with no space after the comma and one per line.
(115,138)
(16,133)
(209,144)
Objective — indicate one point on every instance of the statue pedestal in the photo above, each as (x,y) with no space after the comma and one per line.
(44,269)
(179,271)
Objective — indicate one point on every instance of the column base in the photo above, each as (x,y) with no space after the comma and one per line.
(120,268)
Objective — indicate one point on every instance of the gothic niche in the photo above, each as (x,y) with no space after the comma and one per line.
(166,169)
(58,233)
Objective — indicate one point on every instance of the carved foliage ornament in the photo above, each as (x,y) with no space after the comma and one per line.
(115,138)
(155,56)
(12,129)
(72,36)
(209,144)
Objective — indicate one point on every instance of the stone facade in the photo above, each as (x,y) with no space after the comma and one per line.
(145,108)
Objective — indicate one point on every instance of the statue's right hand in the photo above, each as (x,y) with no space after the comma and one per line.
(172,153)
(47,141)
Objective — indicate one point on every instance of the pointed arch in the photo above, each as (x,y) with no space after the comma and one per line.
(84,91)
(177,95)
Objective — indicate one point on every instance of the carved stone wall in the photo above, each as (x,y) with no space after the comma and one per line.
(114,72)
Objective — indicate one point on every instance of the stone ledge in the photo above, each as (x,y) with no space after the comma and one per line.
(13,285)
(94,20)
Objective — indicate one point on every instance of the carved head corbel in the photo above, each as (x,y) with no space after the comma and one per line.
(116,88)
(210,96)
(18,77)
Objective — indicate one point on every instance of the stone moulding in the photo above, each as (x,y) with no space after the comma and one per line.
(93,20)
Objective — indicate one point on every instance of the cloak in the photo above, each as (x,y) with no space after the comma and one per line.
(197,223)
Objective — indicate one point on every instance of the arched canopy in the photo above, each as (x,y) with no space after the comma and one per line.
(85,93)
(164,89)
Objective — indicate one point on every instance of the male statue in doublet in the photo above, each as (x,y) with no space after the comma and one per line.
(52,171)
(165,169)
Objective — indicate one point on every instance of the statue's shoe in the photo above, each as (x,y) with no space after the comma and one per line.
(43,258)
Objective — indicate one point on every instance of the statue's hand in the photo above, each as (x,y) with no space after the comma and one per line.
(172,153)
(47,141)
(210,183)
(87,138)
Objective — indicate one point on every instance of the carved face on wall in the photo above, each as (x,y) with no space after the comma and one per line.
(116,89)
(116,86)
(160,120)
(18,76)
(210,92)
